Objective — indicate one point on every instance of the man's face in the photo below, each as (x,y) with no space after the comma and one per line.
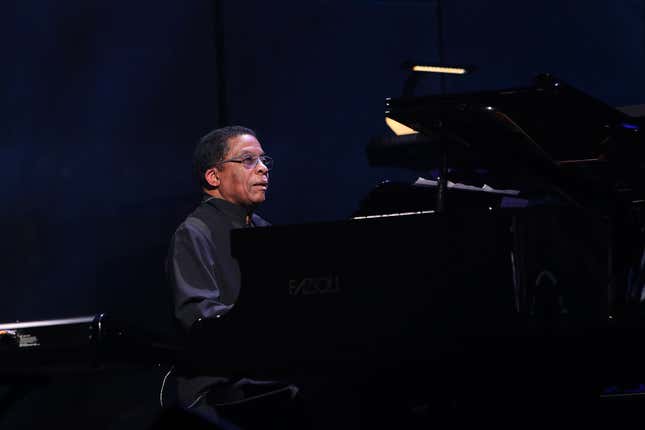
(239,184)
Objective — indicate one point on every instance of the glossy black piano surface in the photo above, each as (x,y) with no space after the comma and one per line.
(425,297)
(566,123)
(384,292)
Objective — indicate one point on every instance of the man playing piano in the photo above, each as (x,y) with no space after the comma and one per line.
(233,172)
(205,279)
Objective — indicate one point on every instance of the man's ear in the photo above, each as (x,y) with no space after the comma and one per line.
(212,177)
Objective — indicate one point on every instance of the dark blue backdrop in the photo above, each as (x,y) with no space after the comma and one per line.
(102,103)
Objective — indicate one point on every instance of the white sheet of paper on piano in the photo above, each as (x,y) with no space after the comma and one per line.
(458,186)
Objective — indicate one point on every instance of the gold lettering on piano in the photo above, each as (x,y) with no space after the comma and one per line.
(314,285)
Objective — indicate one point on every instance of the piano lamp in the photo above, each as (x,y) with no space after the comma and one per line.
(450,70)
(416,70)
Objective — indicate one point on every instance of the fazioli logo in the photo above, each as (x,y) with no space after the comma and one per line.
(314,285)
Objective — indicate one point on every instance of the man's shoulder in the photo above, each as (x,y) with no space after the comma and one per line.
(202,220)
(192,227)
(194,223)
(204,214)
(195,220)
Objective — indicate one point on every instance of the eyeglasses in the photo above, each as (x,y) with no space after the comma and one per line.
(250,161)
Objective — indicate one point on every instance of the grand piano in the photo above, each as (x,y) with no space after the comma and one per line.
(579,163)
(514,297)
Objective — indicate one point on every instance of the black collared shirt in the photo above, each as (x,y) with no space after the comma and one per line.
(203,275)
(205,281)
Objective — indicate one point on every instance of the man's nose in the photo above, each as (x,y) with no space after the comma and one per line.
(261,167)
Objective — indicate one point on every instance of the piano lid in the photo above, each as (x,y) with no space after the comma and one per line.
(533,136)
(565,123)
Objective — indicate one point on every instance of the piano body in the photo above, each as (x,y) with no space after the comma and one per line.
(521,298)
(364,292)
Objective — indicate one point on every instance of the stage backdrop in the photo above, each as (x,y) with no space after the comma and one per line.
(102,102)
